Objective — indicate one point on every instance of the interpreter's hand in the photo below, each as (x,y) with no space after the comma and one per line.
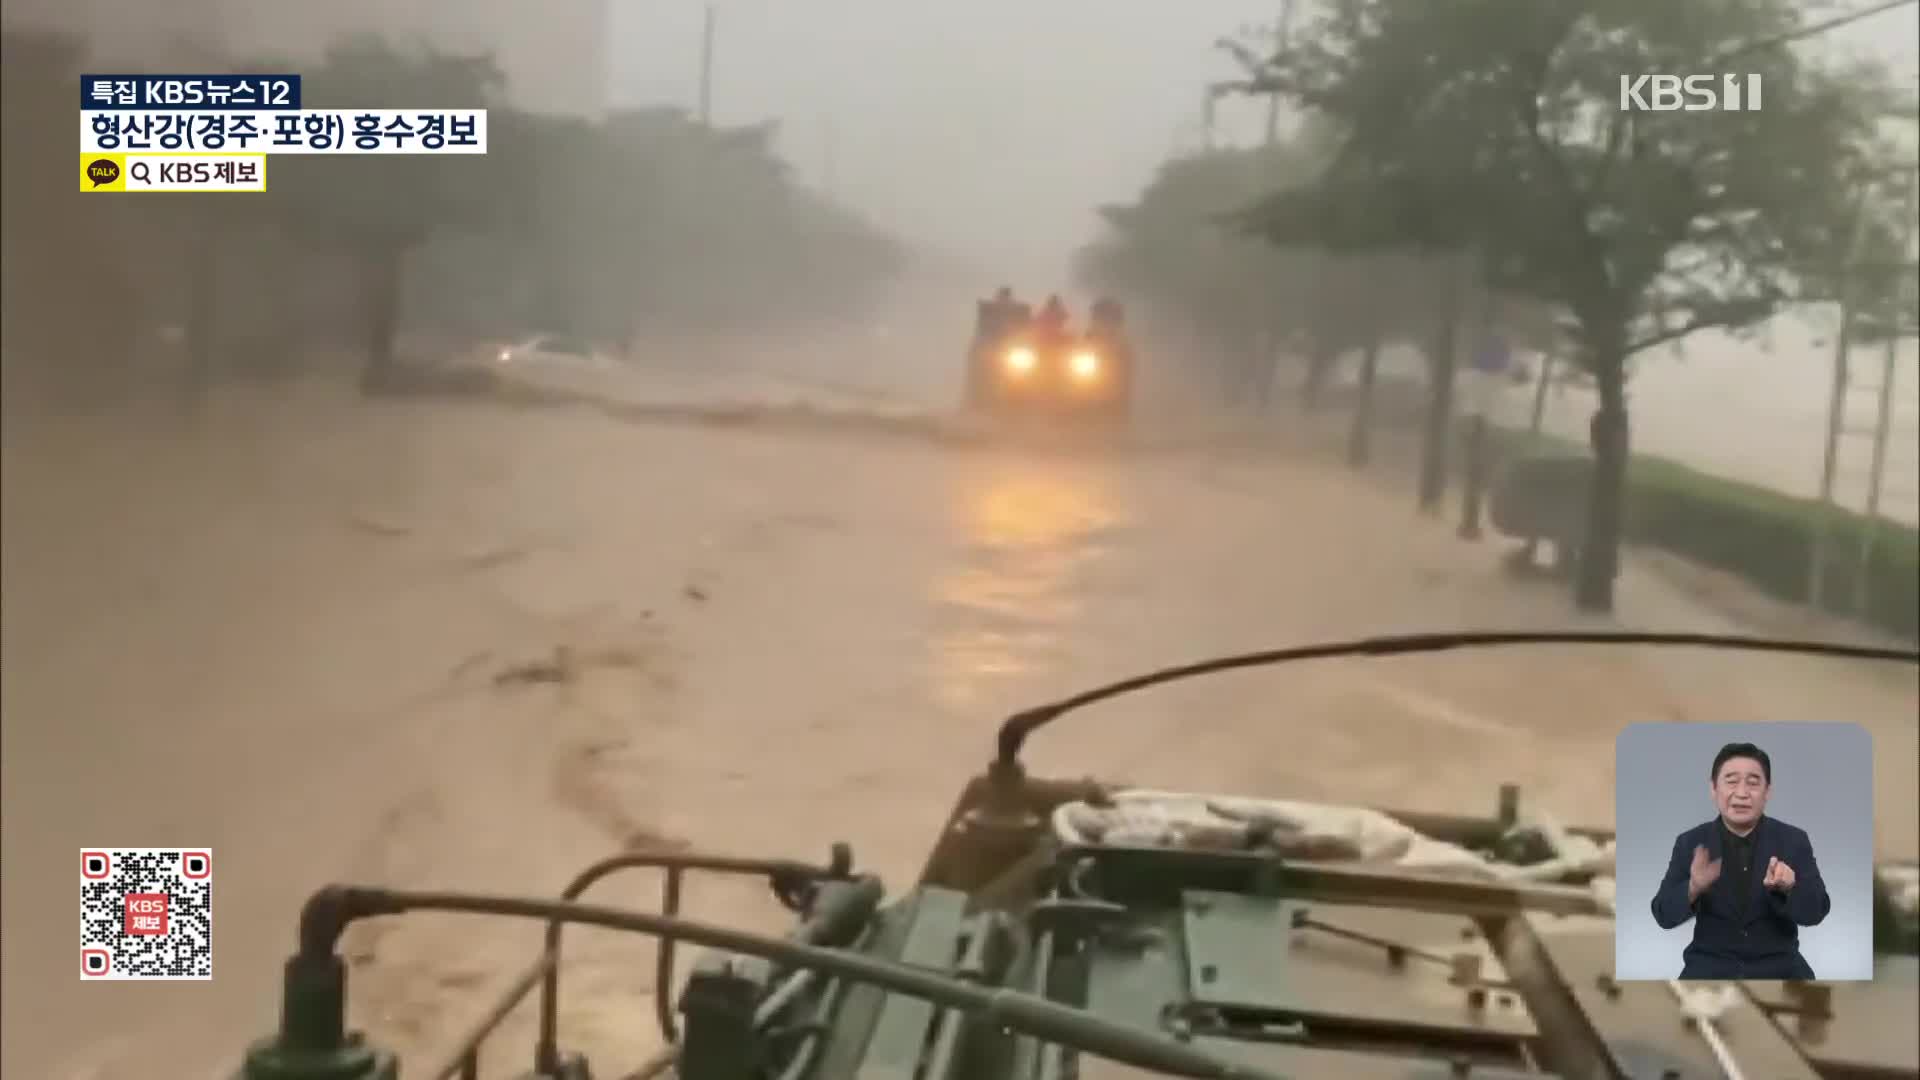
(1779,876)
(1705,871)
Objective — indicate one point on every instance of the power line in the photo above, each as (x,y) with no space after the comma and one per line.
(1805,32)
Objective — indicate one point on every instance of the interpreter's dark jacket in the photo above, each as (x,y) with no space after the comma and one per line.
(1742,930)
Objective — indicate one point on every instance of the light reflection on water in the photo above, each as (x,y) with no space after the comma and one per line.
(1028,534)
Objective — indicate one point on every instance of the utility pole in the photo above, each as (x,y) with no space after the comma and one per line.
(1539,416)
(1443,369)
(706,70)
(1836,410)
(1883,415)
(1489,366)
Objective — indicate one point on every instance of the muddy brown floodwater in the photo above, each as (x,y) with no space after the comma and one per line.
(284,638)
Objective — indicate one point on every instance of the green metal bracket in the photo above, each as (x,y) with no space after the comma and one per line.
(313,1043)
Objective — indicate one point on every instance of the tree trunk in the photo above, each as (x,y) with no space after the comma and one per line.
(1478,454)
(1608,433)
(1360,436)
(1319,368)
(1442,360)
(380,278)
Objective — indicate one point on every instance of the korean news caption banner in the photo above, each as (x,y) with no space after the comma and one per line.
(213,132)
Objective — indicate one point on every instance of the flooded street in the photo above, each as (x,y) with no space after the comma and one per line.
(477,646)
(566,458)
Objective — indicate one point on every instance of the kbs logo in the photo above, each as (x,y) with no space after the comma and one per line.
(1689,93)
(146,913)
(175,92)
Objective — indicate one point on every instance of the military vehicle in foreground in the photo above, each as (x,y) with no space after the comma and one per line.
(1064,929)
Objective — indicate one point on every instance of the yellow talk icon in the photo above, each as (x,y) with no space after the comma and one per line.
(103,172)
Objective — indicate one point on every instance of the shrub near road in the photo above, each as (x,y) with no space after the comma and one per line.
(1761,536)
(1766,538)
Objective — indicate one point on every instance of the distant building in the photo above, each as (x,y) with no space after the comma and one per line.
(554,53)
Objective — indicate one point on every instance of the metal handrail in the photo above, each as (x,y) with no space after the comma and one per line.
(787,877)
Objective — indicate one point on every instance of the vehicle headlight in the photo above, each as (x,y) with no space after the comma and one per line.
(1021,360)
(505,355)
(1085,364)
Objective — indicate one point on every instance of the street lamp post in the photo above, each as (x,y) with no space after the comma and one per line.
(706,69)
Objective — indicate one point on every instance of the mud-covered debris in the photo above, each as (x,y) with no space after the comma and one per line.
(561,667)
(594,751)
(695,593)
(644,839)
(567,664)
(378,526)
(489,558)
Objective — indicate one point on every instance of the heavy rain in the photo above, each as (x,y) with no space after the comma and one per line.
(455,521)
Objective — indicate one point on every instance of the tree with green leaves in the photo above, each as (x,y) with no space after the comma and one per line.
(1176,251)
(1493,129)
(1171,251)
(569,225)
(376,210)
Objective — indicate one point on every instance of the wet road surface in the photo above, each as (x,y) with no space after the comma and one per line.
(285,639)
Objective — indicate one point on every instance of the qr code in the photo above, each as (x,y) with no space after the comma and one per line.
(146,913)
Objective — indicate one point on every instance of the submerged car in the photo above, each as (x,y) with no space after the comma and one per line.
(1018,366)
(1064,929)
(554,351)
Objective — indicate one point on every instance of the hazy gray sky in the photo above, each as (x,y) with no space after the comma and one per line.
(990,129)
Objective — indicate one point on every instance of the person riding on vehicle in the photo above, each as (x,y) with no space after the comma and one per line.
(1001,315)
(997,319)
(996,316)
(1051,323)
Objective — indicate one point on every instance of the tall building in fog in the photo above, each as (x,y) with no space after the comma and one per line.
(554,52)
